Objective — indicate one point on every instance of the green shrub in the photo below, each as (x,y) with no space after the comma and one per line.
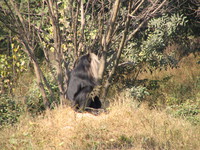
(188,110)
(34,101)
(139,92)
(10,110)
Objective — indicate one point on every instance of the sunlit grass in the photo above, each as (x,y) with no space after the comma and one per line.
(188,70)
(124,126)
(176,85)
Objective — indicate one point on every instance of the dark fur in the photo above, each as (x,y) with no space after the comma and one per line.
(81,83)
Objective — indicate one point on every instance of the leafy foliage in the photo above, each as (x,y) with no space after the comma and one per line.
(186,110)
(10,110)
(149,50)
(34,102)
(11,66)
(83,27)
(139,92)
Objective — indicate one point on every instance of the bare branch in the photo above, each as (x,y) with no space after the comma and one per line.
(19,15)
(121,46)
(135,31)
(106,38)
(74,27)
(159,6)
(136,9)
(80,43)
(126,63)
(112,21)
(146,16)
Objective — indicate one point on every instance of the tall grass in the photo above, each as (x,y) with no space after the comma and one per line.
(123,127)
(177,89)
(182,83)
(187,72)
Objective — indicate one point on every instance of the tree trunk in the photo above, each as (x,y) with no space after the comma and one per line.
(38,72)
(116,61)
(40,84)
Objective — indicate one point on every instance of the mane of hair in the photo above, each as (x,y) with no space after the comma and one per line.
(94,66)
(87,67)
(81,70)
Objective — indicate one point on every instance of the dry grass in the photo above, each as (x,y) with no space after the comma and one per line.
(182,84)
(123,127)
(187,71)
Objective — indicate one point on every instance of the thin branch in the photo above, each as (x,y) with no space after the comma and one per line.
(106,38)
(121,46)
(158,7)
(74,26)
(135,31)
(146,16)
(136,9)
(82,27)
(8,26)
(112,21)
(19,15)
(127,63)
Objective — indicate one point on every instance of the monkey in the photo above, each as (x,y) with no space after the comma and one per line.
(83,78)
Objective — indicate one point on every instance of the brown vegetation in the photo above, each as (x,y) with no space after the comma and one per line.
(124,126)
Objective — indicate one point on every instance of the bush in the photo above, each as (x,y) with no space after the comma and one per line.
(139,92)
(10,110)
(188,110)
(34,101)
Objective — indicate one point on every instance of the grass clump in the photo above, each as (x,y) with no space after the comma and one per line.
(10,111)
(176,90)
(172,124)
(123,127)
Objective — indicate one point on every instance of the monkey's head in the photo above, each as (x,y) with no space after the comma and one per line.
(91,63)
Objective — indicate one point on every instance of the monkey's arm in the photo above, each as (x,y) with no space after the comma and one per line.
(73,88)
